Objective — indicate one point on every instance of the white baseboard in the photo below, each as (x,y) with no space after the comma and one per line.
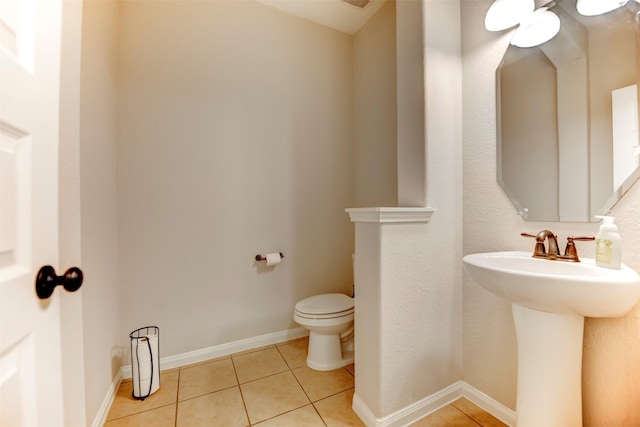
(363,411)
(226,349)
(103,412)
(410,413)
(492,406)
(432,403)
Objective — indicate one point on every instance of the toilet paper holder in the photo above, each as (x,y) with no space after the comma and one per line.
(264,258)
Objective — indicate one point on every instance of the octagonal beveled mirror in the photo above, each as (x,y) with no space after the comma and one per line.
(568,143)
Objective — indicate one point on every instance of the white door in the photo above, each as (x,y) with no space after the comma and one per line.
(30,359)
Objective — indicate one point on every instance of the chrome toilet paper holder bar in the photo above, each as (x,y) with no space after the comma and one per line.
(264,258)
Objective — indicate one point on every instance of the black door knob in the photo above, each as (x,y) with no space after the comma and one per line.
(47,280)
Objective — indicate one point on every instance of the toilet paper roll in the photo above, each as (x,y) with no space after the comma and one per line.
(273,259)
(145,365)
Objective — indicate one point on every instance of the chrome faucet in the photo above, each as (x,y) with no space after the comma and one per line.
(570,252)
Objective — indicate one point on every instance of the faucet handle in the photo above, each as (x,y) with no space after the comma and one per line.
(570,252)
(539,251)
(584,238)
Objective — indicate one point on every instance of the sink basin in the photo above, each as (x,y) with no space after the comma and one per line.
(549,301)
(559,287)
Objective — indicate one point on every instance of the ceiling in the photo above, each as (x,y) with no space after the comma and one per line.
(332,13)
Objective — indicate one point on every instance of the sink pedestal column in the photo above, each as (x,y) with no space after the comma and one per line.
(549,368)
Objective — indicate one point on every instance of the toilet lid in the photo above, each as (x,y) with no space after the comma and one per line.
(325,304)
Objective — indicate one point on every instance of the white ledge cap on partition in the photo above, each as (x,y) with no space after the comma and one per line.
(391,214)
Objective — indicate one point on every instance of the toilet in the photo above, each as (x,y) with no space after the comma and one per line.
(329,319)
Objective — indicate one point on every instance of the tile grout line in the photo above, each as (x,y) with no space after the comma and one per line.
(244,404)
(470,414)
(466,415)
(313,404)
(296,378)
(290,369)
(140,412)
(175,418)
(301,387)
(283,358)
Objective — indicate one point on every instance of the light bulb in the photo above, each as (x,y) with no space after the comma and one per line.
(598,7)
(539,27)
(505,14)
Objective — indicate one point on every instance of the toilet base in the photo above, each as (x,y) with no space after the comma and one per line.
(346,360)
(325,352)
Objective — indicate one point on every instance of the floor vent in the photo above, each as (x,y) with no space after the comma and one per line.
(357,3)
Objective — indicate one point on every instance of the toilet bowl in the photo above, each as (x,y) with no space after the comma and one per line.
(329,319)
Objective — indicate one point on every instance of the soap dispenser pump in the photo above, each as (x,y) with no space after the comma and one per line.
(608,244)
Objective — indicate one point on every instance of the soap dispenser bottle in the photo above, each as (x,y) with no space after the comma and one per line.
(608,244)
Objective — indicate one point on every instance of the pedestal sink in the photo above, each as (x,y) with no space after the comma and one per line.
(550,300)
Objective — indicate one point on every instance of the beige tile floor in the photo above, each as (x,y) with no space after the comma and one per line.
(267,387)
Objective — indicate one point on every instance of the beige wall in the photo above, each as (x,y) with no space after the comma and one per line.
(235,128)
(438,267)
(411,272)
(88,220)
(375,123)
(611,374)
(69,236)
(98,200)
(412,71)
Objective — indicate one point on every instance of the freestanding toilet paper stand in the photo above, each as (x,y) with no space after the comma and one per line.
(145,369)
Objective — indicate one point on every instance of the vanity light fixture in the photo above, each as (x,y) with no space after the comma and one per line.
(503,14)
(539,27)
(598,7)
(536,26)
